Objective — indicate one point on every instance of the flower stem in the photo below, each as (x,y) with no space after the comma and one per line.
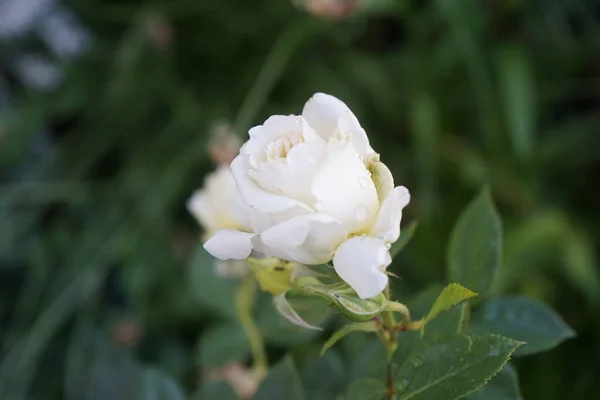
(245,303)
(388,337)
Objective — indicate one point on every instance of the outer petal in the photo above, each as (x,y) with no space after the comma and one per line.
(344,190)
(387,226)
(198,206)
(307,239)
(256,197)
(360,261)
(327,114)
(228,244)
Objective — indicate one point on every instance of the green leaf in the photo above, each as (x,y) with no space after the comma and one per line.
(346,329)
(504,386)
(475,247)
(324,377)
(443,327)
(215,390)
(405,236)
(523,319)
(450,296)
(452,369)
(156,385)
(366,389)
(222,344)
(282,382)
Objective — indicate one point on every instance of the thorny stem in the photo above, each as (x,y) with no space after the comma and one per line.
(244,303)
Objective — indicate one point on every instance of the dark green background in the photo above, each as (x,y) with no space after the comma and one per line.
(454,95)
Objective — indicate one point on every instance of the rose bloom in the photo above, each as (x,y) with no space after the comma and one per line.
(316,192)
(216,206)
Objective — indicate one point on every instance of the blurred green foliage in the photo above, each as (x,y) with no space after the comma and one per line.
(97,248)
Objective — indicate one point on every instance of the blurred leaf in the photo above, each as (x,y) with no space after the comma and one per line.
(156,385)
(222,344)
(370,362)
(425,128)
(454,368)
(448,298)
(405,237)
(366,389)
(97,369)
(324,377)
(530,246)
(504,386)
(215,293)
(345,330)
(282,382)
(475,246)
(215,390)
(580,264)
(523,319)
(516,85)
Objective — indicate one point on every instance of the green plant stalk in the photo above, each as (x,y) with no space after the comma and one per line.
(244,304)
(389,339)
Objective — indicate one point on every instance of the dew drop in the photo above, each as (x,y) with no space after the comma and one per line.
(363,182)
(494,352)
(361,213)
(416,362)
(403,384)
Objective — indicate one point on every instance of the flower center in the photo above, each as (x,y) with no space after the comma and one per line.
(282,146)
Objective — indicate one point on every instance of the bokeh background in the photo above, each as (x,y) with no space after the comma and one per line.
(106,112)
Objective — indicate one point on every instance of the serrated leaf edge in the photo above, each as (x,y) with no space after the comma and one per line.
(508,357)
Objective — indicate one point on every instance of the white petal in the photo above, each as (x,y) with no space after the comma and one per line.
(360,261)
(217,205)
(343,188)
(256,197)
(228,244)
(308,239)
(198,206)
(326,114)
(294,175)
(387,226)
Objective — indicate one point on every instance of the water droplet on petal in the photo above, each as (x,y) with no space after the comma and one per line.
(361,213)
(403,384)
(363,182)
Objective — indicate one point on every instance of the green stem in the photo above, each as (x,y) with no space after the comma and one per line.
(245,304)
(390,343)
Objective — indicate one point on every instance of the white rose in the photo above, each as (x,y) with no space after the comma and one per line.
(217,205)
(308,183)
